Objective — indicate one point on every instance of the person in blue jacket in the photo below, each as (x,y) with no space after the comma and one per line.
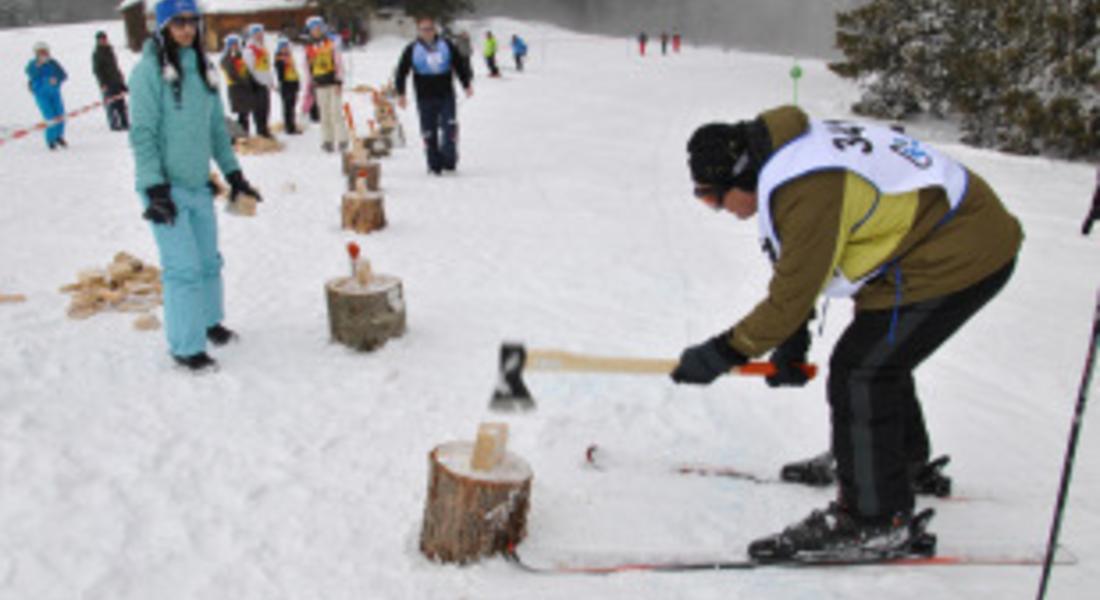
(177,126)
(519,51)
(45,78)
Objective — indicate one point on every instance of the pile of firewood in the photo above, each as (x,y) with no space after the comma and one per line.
(126,285)
(258,145)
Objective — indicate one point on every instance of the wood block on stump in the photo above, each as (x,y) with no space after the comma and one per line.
(363,212)
(364,317)
(471,514)
(355,159)
(366,179)
(377,146)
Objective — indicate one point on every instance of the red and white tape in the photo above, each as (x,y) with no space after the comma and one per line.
(22,133)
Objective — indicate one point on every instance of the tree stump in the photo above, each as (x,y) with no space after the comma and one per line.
(364,317)
(471,514)
(355,159)
(363,212)
(366,179)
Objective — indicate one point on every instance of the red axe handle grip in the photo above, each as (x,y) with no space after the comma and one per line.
(766,369)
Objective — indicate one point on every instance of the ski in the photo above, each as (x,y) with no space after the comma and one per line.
(673,565)
(598,459)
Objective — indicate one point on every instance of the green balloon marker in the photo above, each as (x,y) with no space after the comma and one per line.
(796,74)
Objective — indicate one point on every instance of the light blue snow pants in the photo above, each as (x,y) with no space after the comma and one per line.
(51,106)
(191,270)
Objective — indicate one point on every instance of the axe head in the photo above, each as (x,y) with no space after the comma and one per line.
(511,394)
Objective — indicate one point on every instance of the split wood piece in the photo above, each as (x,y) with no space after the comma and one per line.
(363,272)
(472,514)
(367,178)
(243,206)
(258,145)
(147,322)
(12,298)
(365,317)
(355,159)
(490,447)
(363,212)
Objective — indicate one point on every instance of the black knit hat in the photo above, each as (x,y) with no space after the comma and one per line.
(729,155)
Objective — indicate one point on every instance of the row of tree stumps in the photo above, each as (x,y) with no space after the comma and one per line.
(478,493)
(365,308)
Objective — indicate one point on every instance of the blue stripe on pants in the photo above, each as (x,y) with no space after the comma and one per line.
(192,267)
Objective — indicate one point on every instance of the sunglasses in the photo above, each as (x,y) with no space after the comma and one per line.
(182,22)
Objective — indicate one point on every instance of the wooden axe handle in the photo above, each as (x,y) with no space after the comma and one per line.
(559,360)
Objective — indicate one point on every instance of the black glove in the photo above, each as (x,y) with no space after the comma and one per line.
(161,209)
(788,356)
(704,363)
(239,185)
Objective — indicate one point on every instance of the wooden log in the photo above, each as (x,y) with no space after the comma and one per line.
(365,317)
(355,159)
(363,212)
(367,178)
(472,514)
(12,298)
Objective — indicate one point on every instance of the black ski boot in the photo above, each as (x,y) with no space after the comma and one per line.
(928,479)
(834,535)
(220,336)
(818,471)
(197,363)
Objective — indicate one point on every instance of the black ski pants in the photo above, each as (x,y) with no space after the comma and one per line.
(289,93)
(878,426)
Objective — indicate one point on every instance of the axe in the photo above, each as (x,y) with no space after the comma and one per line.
(511,393)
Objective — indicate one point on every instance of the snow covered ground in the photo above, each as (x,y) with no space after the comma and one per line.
(299,470)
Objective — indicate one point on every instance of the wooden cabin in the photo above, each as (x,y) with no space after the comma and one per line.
(222,17)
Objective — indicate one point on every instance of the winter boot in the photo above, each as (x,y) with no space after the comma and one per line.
(61,142)
(835,535)
(818,471)
(328,147)
(220,336)
(197,363)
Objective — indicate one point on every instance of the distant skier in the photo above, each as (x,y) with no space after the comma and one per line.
(45,77)
(519,51)
(289,83)
(324,84)
(434,62)
(676,41)
(919,241)
(664,43)
(489,49)
(258,60)
(1094,213)
(178,127)
(239,81)
(643,39)
(111,83)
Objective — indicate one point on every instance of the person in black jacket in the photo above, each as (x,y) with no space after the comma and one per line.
(289,83)
(434,62)
(111,83)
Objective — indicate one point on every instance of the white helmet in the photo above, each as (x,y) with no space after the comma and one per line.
(40,47)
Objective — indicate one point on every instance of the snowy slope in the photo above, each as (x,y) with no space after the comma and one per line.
(299,470)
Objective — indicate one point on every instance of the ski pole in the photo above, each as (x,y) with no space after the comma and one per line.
(1071,450)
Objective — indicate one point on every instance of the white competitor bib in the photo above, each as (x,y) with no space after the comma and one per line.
(892,162)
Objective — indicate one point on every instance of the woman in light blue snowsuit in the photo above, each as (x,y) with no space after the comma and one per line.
(177,127)
(45,78)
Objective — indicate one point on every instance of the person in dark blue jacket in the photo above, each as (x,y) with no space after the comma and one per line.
(177,128)
(45,77)
(434,62)
(519,51)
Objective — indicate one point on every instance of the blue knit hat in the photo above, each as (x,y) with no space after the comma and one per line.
(168,9)
(255,28)
(315,21)
(282,43)
(232,40)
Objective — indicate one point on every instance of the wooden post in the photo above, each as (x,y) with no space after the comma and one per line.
(367,178)
(363,212)
(364,317)
(469,513)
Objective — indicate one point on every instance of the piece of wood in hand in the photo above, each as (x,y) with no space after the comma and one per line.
(243,206)
(471,514)
(490,447)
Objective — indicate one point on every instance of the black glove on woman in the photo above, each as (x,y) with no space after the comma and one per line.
(239,185)
(161,209)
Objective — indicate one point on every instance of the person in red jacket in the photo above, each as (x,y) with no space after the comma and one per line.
(643,39)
